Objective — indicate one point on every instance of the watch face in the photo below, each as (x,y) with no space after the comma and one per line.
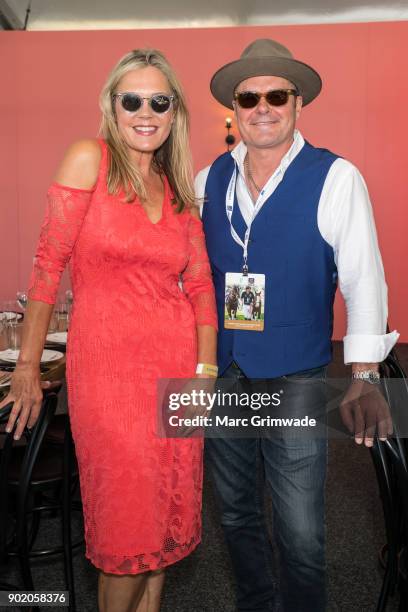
(373,378)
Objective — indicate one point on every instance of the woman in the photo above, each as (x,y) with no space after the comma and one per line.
(121,210)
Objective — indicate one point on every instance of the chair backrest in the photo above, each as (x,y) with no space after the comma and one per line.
(34,440)
(395,385)
(4,463)
(399,464)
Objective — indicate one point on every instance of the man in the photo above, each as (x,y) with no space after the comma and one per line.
(299,219)
(247,299)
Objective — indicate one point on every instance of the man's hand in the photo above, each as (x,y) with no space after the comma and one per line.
(364,412)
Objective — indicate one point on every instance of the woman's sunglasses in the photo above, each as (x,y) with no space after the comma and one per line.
(274,97)
(131,102)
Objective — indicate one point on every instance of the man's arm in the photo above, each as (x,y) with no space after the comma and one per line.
(346,221)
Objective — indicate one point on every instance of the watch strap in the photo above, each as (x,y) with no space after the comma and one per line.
(370,376)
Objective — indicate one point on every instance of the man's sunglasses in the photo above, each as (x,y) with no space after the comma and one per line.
(274,97)
(132,102)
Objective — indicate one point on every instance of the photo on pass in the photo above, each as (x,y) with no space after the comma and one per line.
(244,302)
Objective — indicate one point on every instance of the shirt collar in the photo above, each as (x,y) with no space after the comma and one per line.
(240,151)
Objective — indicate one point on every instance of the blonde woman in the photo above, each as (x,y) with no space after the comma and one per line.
(120,210)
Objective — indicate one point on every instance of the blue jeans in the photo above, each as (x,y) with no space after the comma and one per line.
(295,470)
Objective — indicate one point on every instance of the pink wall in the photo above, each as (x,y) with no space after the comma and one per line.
(50,85)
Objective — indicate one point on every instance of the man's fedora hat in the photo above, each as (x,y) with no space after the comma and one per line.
(265,57)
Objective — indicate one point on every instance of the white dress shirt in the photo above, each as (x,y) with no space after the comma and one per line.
(346,222)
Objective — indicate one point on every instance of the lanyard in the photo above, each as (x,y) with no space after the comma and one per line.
(229,209)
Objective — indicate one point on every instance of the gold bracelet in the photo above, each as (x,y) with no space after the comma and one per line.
(207,368)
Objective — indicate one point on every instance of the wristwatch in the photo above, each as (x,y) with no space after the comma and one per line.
(370,376)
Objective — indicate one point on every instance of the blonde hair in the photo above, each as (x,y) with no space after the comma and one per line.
(173,158)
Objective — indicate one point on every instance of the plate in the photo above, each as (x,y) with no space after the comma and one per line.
(58,337)
(46,356)
(9,315)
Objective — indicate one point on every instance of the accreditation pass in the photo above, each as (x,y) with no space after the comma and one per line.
(20,599)
(244,301)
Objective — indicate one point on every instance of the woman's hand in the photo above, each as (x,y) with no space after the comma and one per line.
(26,393)
(25,387)
(203,385)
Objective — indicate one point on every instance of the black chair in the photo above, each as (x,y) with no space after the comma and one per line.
(399,466)
(391,510)
(390,461)
(4,460)
(36,478)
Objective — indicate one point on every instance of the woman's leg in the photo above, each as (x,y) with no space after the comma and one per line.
(120,593)
(150,601)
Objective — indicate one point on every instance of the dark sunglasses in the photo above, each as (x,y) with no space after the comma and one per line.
(274,97)
(131,102)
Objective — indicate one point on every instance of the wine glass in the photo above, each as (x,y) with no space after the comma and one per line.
(3,332)
(62,313)
(54,322)
(22,299)
(69,297)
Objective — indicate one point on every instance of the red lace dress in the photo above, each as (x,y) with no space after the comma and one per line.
(131,324)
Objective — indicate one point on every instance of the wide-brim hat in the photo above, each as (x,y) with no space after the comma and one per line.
(265,57)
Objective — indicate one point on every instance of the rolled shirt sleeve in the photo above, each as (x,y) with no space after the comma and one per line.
(346,221)
(199,187)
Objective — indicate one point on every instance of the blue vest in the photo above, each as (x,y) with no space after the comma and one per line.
(285,245)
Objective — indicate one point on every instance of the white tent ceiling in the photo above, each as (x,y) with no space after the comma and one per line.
(129,14)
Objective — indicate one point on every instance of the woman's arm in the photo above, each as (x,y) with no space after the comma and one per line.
(68,200)
(198,285)
(207,346)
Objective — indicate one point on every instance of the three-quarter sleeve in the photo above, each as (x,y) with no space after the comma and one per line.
(197,278)
(65,212)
